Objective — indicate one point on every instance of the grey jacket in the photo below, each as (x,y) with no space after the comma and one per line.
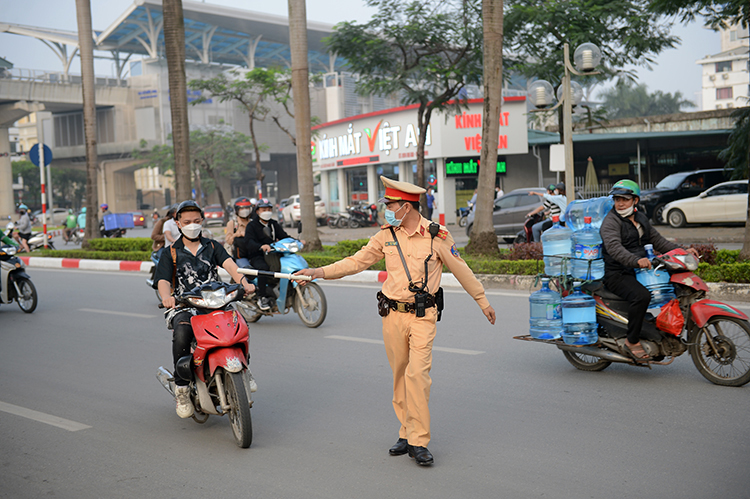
(622,246)
(24,224)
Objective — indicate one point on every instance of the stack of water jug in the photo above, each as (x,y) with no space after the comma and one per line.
(656,281)
(572,318)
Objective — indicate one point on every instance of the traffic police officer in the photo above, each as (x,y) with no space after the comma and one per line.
(415,250)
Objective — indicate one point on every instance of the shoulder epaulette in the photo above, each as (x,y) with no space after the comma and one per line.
(383,227)
(442,234)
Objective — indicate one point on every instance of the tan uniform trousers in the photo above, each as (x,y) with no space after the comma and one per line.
(408,344)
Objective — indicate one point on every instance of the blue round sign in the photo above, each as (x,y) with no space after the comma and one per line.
(34,154)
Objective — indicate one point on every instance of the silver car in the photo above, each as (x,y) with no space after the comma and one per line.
(509,212)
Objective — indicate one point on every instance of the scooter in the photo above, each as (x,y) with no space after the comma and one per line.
(218,366)
(308,301)
(463,215)
(363,216)
(15,283)
(527,235)
(716,335)
(340,220)
(36,241)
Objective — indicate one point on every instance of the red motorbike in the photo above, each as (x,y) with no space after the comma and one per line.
(218,367)
(716,335)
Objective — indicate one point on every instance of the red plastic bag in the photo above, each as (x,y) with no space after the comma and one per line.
(670,319)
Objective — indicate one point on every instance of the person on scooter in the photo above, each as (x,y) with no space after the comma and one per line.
(104,209)
(191,261)
(23,226)
(260,233)
(170,230)
(235,231)
(81,222)
(625,231)
(550,209)
(70,225)
(157,233)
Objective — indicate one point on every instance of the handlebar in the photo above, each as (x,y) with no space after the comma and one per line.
(277,275)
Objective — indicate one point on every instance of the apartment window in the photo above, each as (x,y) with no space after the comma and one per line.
(724,93)
(733,36)
(723,66)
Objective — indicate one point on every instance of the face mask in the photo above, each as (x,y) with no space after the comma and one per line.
(265,216)
(626,212)
(390,217)
(244,212)
(192,231)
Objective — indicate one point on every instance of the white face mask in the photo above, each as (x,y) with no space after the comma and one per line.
(626,212)
(192,231)
(265,216)
(244,212)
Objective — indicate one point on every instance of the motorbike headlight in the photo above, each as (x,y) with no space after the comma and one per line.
(9,250)
(213,299)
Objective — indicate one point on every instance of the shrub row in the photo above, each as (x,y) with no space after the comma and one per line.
(725,272)
(122,244)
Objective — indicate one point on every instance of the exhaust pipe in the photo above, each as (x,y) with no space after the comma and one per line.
(597,352)
(166,379)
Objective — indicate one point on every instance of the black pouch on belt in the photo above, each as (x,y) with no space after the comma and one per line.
(439,302)
(383,306)
(420,303)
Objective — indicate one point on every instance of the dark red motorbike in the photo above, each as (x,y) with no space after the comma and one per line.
(363,215)
(218,367)
(716,335)
(526,235)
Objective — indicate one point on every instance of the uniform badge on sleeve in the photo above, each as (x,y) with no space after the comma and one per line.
(454,251)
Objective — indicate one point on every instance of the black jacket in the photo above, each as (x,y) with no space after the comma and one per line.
(622,246)
(257,234)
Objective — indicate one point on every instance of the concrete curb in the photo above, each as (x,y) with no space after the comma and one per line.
(717,290)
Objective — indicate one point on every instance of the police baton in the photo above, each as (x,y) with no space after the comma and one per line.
(277,275)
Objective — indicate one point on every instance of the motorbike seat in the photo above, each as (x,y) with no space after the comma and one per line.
(597,288)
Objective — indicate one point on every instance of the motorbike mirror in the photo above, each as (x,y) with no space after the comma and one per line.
(299,227)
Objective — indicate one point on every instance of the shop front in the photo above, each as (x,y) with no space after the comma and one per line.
(352,153)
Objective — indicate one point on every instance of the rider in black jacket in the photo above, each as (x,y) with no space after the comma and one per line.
(260,233)
(625,231)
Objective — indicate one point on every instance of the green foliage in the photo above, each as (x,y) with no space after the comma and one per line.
(627,100)
(131,256)
(727,256)
(738,149)
(725,272)
(715,13)
(625,31)
(121,244)
(347,248)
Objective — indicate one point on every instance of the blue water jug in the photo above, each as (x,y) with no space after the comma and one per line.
(545,318)
(587,247)
(656,281)
(579,318)
(596,208)
(557,240)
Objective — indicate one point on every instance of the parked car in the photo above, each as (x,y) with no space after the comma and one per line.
(56,217)
(509,213)
(722,203)
(678,186)
(139,219)
(280,208)
(291,215)
(214,214)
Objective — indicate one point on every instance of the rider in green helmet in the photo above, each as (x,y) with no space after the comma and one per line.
(625,231)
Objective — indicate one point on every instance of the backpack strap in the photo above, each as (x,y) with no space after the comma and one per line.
(174,267)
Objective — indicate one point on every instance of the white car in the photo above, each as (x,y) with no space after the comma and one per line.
(290,213)
(722,203)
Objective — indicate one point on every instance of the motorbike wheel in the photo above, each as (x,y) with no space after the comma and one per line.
(729,363)
(28,299)
(342,223)
(520,239)
(462,221)
(311,317)
(239,412)
(353,224)
(331,222)
(586,362)
(248,313)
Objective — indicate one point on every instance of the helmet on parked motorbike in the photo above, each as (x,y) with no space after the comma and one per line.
(188,205)
(625,188)
(104,206)
(242,203)
(264,203)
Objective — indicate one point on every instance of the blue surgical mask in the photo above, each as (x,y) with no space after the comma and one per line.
(390,217)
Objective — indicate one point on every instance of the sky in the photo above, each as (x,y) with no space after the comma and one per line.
(675,69)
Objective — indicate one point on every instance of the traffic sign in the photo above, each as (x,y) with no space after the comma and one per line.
(34,154)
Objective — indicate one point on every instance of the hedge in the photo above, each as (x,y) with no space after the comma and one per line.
(122,244)
(132,256)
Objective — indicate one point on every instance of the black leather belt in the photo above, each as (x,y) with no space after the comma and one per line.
(408,307)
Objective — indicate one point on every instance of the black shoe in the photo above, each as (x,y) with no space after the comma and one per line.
(264,303)
(399,449)
(421,455)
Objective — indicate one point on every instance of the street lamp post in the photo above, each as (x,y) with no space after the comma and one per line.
(586,58)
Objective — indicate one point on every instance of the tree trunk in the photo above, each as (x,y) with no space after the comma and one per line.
(86,51)
(483,239)
(256,148)
(222,202)
(745,251)
(174,48)
(423,121)
(301,94)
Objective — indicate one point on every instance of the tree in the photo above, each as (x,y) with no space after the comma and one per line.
(483,238)
(86,51)
(214,152)
(627,100)
(301,91)
(425,52)
(174,49)
(627,33)
(717,14)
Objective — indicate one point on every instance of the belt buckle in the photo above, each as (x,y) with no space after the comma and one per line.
(401,307)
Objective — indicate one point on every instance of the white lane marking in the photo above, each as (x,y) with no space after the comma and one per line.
(65,424)
(380,342)
(112,312)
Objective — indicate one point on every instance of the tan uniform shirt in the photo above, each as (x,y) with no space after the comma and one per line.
(415,247)
(230,234)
